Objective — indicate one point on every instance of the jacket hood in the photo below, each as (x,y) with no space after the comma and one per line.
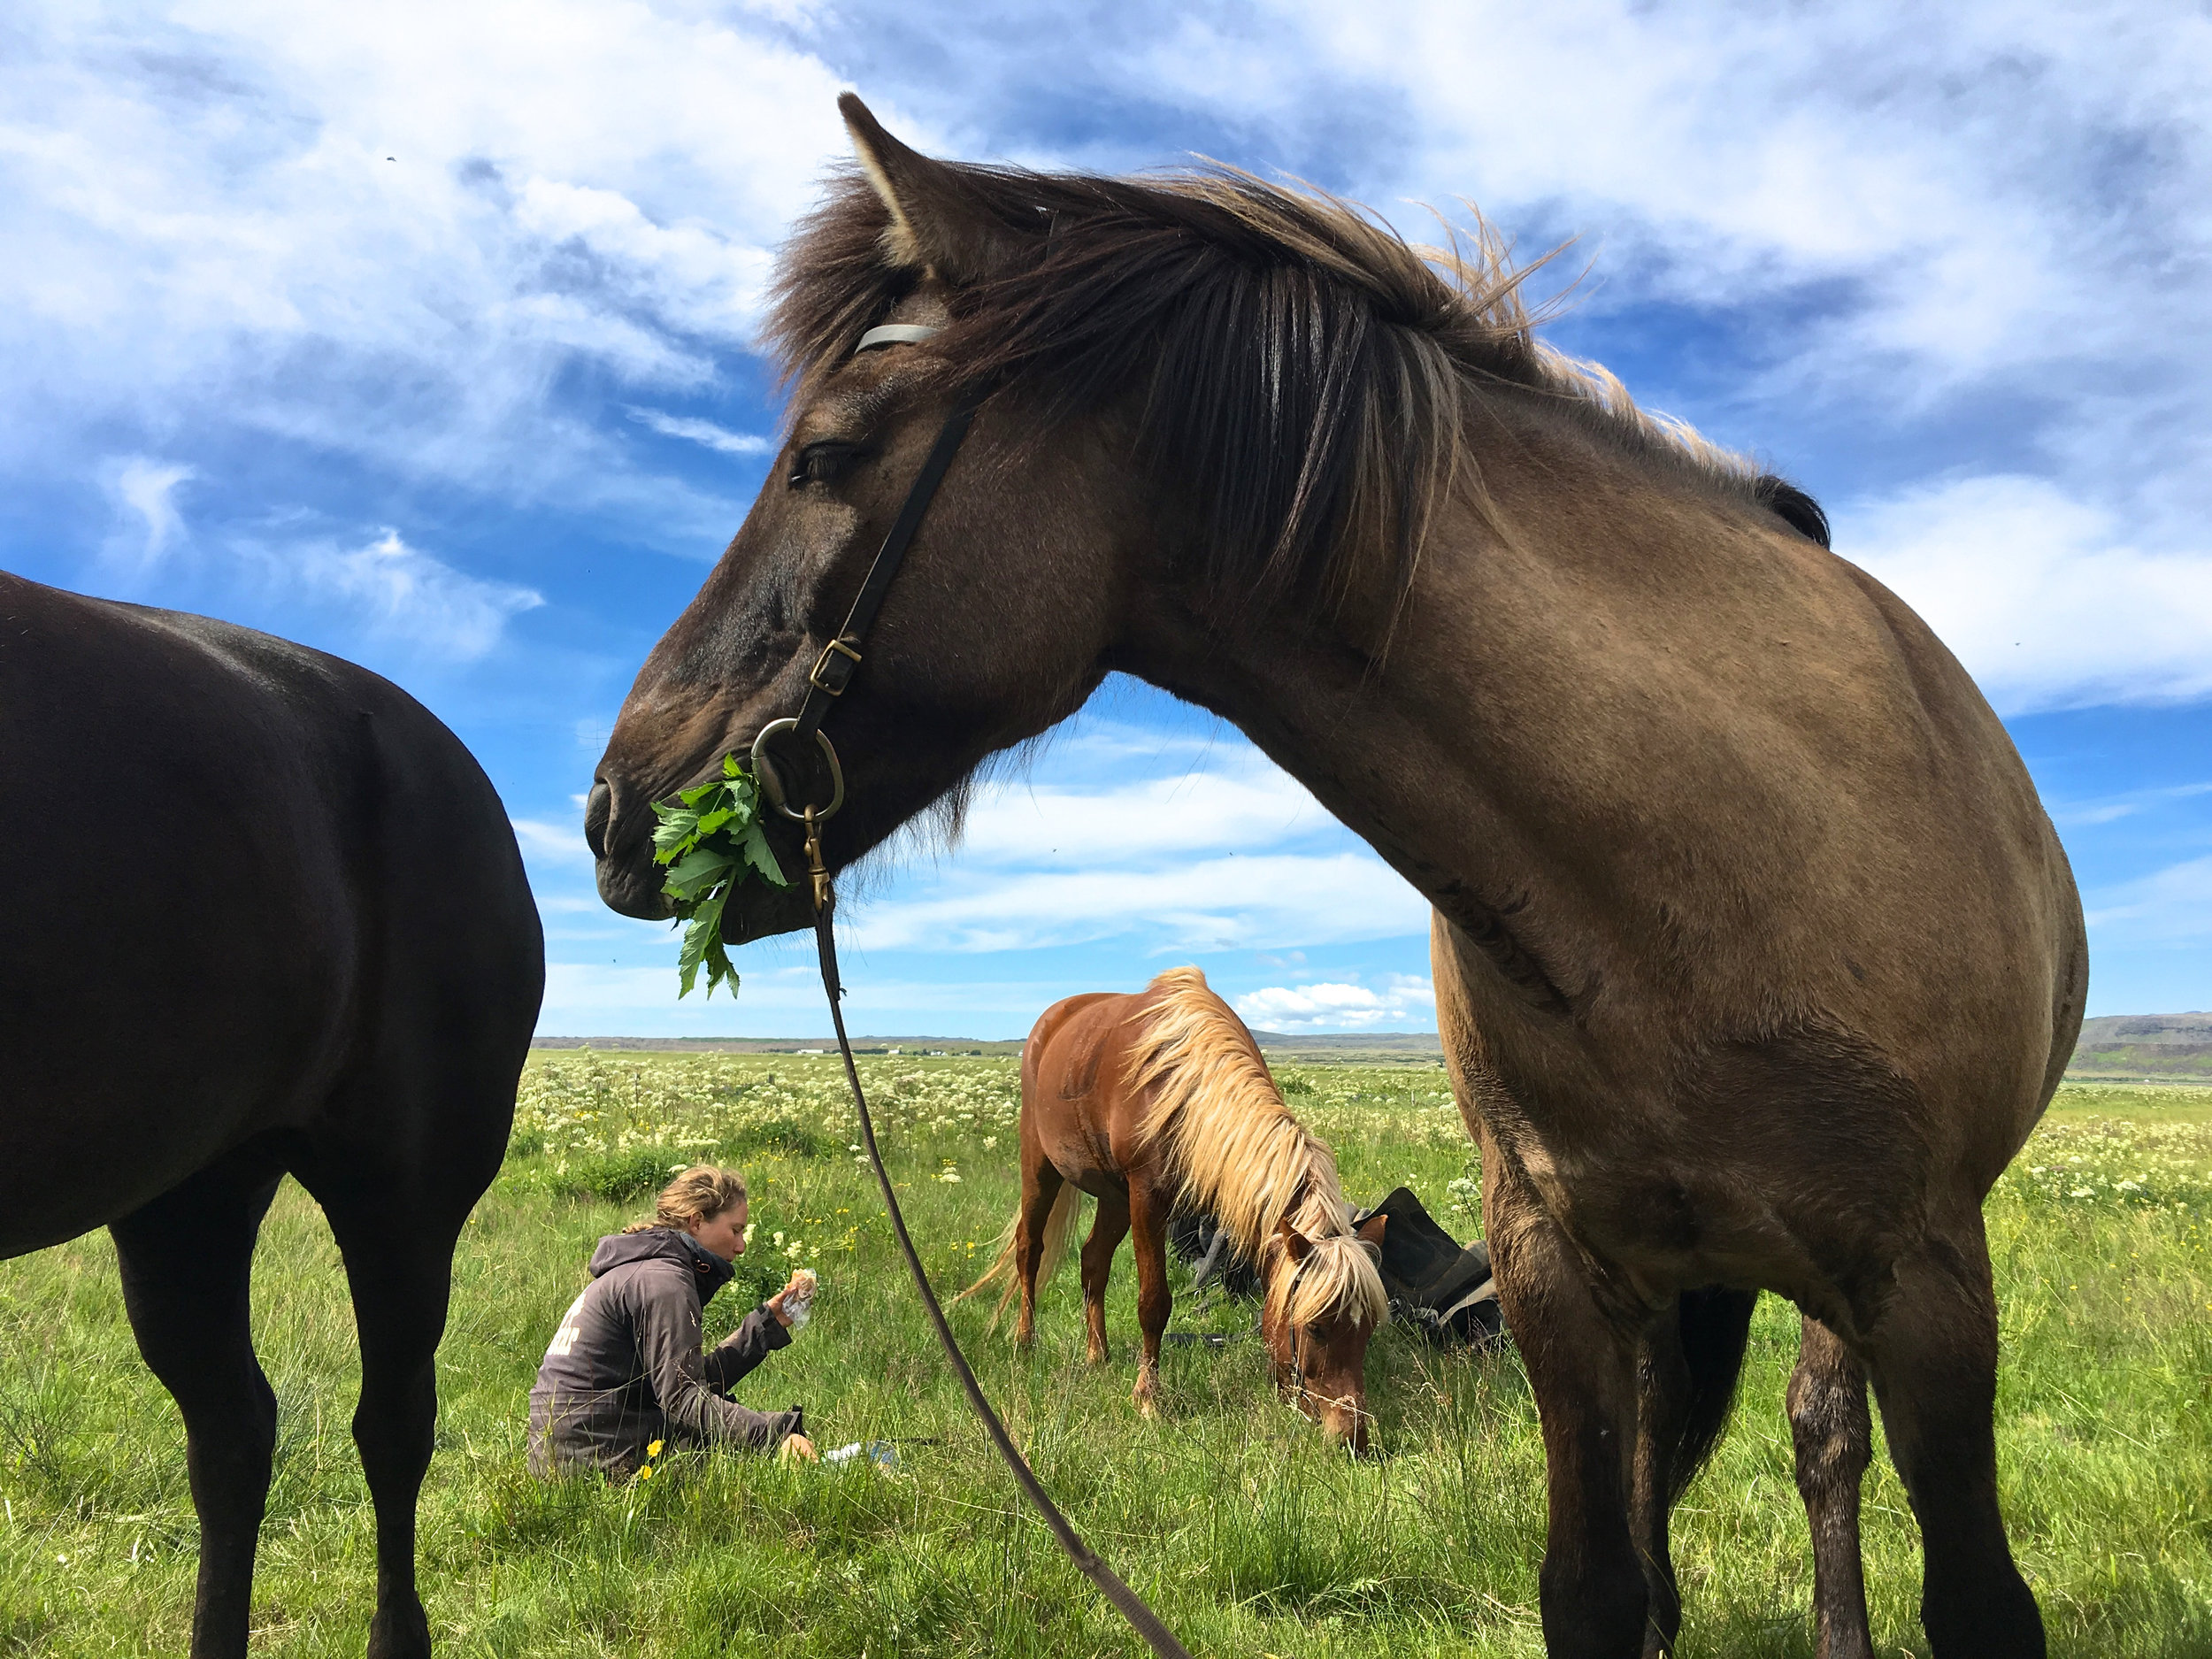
(709,1273)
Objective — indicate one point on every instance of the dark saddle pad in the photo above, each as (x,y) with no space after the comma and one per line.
(1434,1285)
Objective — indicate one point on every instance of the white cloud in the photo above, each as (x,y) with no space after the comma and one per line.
(394,592)
(2043,596)
(1244,804)
(1405,1001)
(1235,856)
(146,489)
(389,232)
(702,432)
(552,843)
(1263,901)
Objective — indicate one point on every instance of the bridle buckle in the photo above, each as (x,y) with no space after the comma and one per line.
(834,669)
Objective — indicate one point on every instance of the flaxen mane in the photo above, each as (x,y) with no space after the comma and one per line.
(1301,374)
(1241,1157)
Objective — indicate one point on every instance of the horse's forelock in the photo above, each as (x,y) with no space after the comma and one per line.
(1339,1279)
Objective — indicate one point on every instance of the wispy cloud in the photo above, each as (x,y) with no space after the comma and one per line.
(2170,906)
(144,491)
(394,592)
(702,432)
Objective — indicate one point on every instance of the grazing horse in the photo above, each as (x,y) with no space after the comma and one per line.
(1160,1102)
(333,967)
(1757,956)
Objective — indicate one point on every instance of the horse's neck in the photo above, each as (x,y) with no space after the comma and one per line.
(1455,732)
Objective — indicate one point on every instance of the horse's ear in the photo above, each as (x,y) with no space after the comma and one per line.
(1371,1229)
(944,220)
(1296,1244)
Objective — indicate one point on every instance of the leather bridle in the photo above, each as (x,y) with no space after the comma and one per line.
(826,682)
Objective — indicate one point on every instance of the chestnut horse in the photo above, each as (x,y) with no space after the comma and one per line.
(327,962)
(1757,956)
(1160,1102)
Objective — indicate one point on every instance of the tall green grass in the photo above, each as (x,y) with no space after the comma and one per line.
(1247,1533)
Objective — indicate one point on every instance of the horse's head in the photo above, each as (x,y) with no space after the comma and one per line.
(1324,1302)
(1000,621)
(1202,400)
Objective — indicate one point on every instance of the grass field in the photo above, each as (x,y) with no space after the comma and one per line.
(1228,1513)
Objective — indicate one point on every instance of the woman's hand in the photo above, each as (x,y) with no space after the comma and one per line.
(774,1304)
(799,1447)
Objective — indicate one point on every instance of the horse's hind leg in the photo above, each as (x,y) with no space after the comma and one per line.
(1109,1225)
(397,1242)
(1041,1191)
(1685,1375)
(187,1259)
(1833,1440)
(1934,1360)
(1592,1592)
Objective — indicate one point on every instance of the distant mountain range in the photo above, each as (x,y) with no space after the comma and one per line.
(2117,1046)
(2145,1045)
(1338,1045)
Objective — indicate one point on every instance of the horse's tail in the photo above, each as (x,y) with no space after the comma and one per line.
(1714,1325)
(1059,1226)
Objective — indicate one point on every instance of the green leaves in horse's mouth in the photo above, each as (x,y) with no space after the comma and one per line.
(710,840)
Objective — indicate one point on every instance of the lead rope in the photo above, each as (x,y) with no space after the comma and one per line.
(1133,1606)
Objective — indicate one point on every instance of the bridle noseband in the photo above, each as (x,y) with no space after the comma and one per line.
(826,682)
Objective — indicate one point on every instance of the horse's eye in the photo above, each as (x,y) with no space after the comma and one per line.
(824,463)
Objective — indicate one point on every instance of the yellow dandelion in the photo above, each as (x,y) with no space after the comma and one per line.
(645,1473)
(653,1449)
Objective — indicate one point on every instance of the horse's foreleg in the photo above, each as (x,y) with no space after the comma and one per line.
(1148,1243)
(1934,1362)
(1108,1226)
(1042,1186)
(186,1260)
(1582,1369)
(1833,1439)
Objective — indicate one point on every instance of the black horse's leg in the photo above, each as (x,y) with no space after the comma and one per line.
(1833,1439)
(398,1249)
(1594,1599)
(187,1259)
(1934,1360)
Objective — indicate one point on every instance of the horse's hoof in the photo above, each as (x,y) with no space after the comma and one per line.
(1146,1409)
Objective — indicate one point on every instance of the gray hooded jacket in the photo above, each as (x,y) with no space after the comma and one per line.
(625,1368)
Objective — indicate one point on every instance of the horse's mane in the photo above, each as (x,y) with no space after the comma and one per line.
(1299,370)
(1240,1156)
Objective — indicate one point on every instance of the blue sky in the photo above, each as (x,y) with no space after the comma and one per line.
(422,333)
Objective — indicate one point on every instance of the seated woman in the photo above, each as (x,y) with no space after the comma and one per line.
(625,1368)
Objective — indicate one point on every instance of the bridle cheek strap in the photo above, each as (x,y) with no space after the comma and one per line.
(832,673)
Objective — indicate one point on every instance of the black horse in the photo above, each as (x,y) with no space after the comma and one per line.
(259,912)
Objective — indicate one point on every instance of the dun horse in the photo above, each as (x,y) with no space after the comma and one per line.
(326,960)
(1159,1102)
(1757,958)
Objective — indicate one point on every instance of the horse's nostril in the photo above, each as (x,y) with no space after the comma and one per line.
(598,809)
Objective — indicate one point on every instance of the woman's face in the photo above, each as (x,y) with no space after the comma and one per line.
(723,1235)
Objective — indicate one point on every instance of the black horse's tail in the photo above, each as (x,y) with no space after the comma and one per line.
(1715,1325)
